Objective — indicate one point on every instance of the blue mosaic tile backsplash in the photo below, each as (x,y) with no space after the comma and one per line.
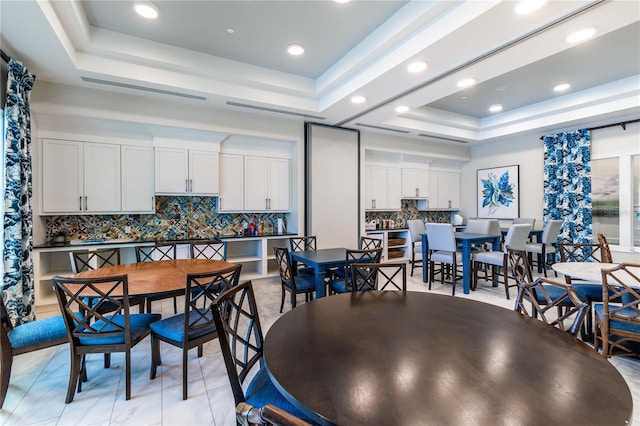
(176,218)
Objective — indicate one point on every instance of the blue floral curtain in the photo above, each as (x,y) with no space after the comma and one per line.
(17,283)
(567,184)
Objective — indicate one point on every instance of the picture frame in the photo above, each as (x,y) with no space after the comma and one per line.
(499,192)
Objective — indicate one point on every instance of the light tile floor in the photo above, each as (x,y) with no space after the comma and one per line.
(39,380)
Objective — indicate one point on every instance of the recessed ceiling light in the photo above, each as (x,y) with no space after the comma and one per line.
(495,108)
(295,49)
(561,87)
(342,1)
(467,82)
(402,108)
(417,66)
(527,6)
(358,99)
(581,34)
(231,31)
(146,9)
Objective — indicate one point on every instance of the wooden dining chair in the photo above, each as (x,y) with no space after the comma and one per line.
(24,338)
(618,316)
(241,340)
(195,326)
(556,303)
(604,248)
(267,415)
(302,244)
(365,244)
(154,253)
(88,260)
(94,332)
(209,249)
(378,276)
(343,285)
(294,284)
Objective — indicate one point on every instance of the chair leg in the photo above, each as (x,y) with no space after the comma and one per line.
(282,299)
(455,278)
(175,305)
(431,273)
(413,261)
(474,280)
(155,355)
(5,373)
(506,279)
(185,377)
(107,360)
(74,375)
(293,299)
(127,374)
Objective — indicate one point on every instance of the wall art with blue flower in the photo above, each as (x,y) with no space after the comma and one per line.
(498,193)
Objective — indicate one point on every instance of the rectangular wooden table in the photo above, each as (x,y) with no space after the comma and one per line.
(320,261)
(467,239)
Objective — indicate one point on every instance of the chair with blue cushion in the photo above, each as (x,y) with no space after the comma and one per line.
(294,284)
(302,244)
(94,331)
(210,249)
(546,249)
(365,244)
(344,285)
(192,330)
(442,249)
(267,415)
(240,336)
(24,338)
(416,229)
(618,316)
(159,251)
(557,304)
(378,276)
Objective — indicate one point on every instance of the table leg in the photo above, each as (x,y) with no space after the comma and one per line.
(466,266)
(320,285)
(425,264)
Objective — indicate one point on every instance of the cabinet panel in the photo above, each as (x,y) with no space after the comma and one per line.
(203,172)
(449,186)
(172,170)
(394,188)
(255,177)
(62,187)
(101,177)
(137,179)
(231,183)
(415,183)
(279,184)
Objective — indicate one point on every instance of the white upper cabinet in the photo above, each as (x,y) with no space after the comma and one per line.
(267,184)
(231,183)
(186,172)
(80,177)
(137,179)
(382,188)
(415,183)
(444,190)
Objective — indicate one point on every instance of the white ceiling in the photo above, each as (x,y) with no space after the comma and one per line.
(361,47)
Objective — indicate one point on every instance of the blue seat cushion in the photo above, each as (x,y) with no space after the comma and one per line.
(591,291)
(173,327)
(618,325)
(555,292)
(261,391)
(38,332)
(139,324)
(338,272)
(303,282)
(339,286)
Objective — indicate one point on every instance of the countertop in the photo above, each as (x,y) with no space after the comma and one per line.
(107,241)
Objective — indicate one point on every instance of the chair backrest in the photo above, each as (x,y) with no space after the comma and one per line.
(302,243)
(87,260)
(369,243)
(85,319)
(284,264)
(519,264)
(517,236)
(604,247)
(547,297)
(378,276)
(441,236)
(201,292)
(239,334)
(359,256)
(267,415)
(212,250)
(478,226)
(551,231)
(157,252)
(7,325)
(621,284)
(570,252)
(494,227)
(416,227)
(520,220)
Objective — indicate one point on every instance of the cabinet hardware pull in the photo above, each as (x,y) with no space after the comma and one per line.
(417,192)
(266,203)
(86,207)
(186,185)
(190,185)
(269,203)
(80,203)
(153,203)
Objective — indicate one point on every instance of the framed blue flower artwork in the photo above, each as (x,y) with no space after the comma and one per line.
(499,193)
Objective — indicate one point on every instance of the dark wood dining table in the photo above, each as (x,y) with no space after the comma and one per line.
(159,277)
(321,260)
(396,358)
(467,240)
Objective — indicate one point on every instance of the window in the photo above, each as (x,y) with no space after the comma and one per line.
(636,200)
(605,197)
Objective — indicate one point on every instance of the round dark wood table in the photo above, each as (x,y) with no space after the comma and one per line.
(394,358)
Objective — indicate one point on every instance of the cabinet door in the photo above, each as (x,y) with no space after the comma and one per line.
(415,183)
(278,184)
(231,183)
(255,178)
(379,187)
(434,200)
(368,188)
(172,170)
(101,177)
(137,179)
(449,185)
(62,189)
(203,172)
(394,188)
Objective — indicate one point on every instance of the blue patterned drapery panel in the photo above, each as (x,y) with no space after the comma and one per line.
(567,184)
(17,283)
